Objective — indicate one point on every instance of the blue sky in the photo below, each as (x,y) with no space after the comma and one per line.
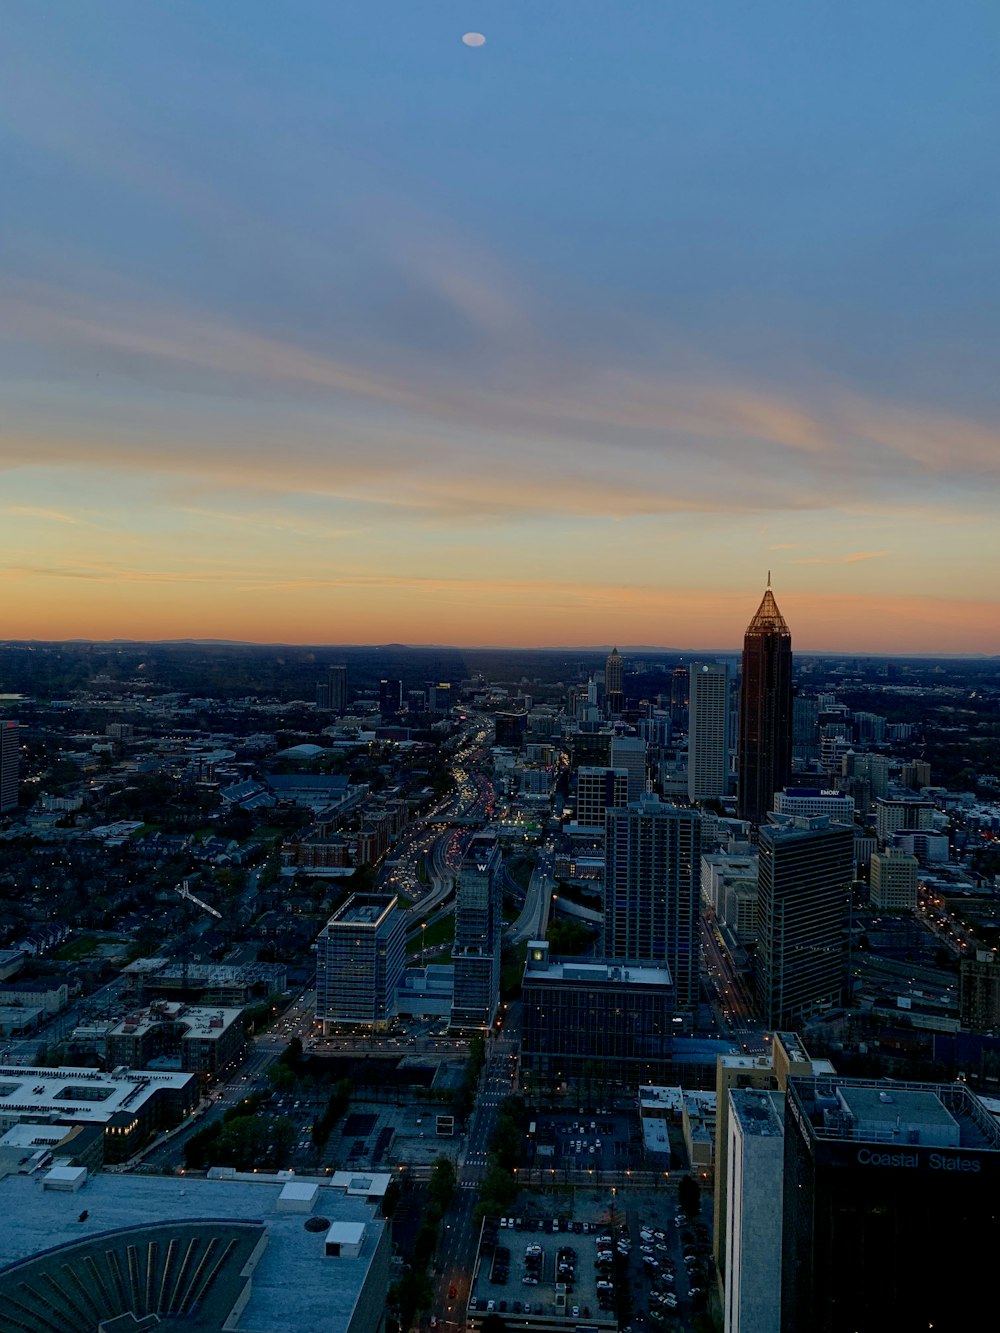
(318,324)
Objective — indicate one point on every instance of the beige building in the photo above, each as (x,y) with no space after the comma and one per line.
(894,881)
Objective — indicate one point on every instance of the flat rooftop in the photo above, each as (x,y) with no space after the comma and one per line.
(362,910)
(295,1288)
(597,973)
(873,1110)
(204,1022)
(84,1095)
(756,1110)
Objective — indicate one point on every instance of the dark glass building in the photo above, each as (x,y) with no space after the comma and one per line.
(891,1207)
(594,1019)
(765,749)
(803,916)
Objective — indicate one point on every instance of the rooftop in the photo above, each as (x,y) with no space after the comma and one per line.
(630,974)
(882,1110)
(83,1094)
(756,1110)
(295,1289)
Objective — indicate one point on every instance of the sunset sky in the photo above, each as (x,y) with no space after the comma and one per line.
(318,325)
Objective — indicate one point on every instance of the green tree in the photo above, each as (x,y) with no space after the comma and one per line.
(689,1195)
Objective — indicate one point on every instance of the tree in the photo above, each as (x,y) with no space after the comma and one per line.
(443,1182)
(689,1195)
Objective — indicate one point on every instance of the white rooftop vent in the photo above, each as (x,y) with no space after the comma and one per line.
(344,1240)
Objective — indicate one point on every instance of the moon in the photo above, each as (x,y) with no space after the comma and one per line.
(474,39)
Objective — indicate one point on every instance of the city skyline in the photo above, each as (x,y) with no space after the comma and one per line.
(322,326)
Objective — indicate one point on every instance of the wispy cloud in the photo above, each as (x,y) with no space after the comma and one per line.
(852,559)
(37,512)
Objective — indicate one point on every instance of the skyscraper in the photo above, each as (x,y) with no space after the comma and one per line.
(629,753)
(803,902)
(360,957)
(614,681)
(651,887)
(708,731)
(10,764)
(872,1170)
(765,748)
(478,932)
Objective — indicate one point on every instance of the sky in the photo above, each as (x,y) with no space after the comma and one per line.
(318,325)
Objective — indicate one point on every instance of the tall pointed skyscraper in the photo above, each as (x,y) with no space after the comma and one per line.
(765,751)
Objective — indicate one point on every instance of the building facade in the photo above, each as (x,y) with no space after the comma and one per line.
(709,738)
(594,1019)
(890,1207)
(893,880)
(755,1154)
(804,879)
(597,791)
(360,956)
(651,907)
(765,744)
(10,764)
(614,683)
(478,936)
(628,753)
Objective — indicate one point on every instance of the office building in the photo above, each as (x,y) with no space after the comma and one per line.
(898,816)
(127,1106)
(10,764)
(390,697)
(786,1058)
(805,729)
(614,683)
(331,694)
(597,791)
(804,879)
(134,1253)
(916,774)
(629,753)
(809,801)
(594,1019)
(753,1236)
(765,745)
(872,770)
(893,880)
(708,731)
(891,1214)
(651,912)
(979,992)
(478,935)
(679,698)
(360,956)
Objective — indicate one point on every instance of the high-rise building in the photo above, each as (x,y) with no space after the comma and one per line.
(979,992)
(892,816)
(804,879)
(478,935)
(651,886)
(597,790)
(390,696)
(332,692)
(10,764)
(765,746)
(915,774)
(629,753)
(591,1018)
(708,731)
(679,698)
(787,1057)
(614,683)
(805,728)
(360,957)
(755,1154)
(890,1193)
(893,880)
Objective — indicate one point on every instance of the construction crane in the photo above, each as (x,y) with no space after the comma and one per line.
(183,890)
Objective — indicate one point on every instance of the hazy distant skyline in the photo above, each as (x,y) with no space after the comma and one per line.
(317,325)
